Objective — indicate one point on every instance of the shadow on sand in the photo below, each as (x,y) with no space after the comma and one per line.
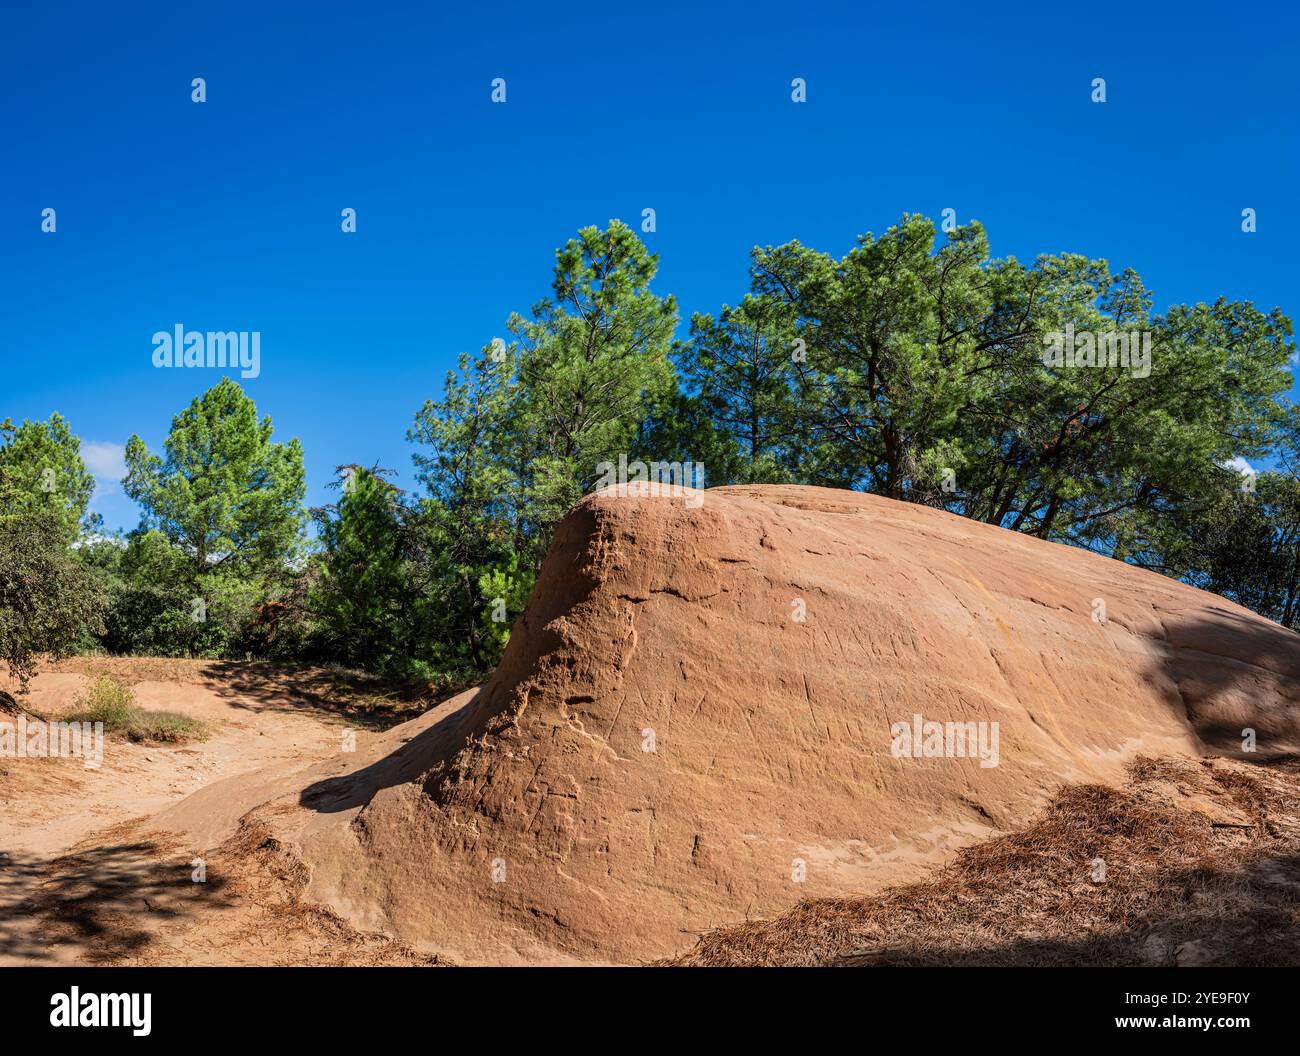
(96,906)
(408,763)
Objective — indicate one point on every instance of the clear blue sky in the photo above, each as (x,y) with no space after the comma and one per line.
(225,215)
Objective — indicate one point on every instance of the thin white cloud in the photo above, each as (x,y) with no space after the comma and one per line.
(107,464)
(99,537)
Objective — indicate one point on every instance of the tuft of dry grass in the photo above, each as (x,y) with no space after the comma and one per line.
(110,701)
(1201,866)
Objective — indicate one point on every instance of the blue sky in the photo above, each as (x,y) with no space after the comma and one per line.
(225,215)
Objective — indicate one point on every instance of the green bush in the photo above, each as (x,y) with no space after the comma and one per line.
(48,600)
(111,702)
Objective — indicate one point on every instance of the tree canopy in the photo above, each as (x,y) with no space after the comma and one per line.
(222,491)
(1048,398)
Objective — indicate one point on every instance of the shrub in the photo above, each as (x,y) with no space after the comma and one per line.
(48,600)
(111,702)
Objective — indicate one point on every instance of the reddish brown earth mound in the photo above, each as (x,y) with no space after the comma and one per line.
(692,723)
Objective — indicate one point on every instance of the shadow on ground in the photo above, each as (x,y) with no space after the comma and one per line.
(98,905)
(408,763)
(361,700)
(1227,673)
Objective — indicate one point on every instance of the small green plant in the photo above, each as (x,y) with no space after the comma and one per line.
(111,702)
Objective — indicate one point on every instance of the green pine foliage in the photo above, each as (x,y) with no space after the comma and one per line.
(49,601)
(913,367)
(41,470)
(362,596)
(222,491)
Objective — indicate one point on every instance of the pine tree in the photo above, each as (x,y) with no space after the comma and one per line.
(362,597)
(223,492)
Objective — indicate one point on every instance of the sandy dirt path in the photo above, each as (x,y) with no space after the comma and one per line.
(51,807)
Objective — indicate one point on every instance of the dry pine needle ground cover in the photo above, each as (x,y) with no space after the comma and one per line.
(1202,866)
